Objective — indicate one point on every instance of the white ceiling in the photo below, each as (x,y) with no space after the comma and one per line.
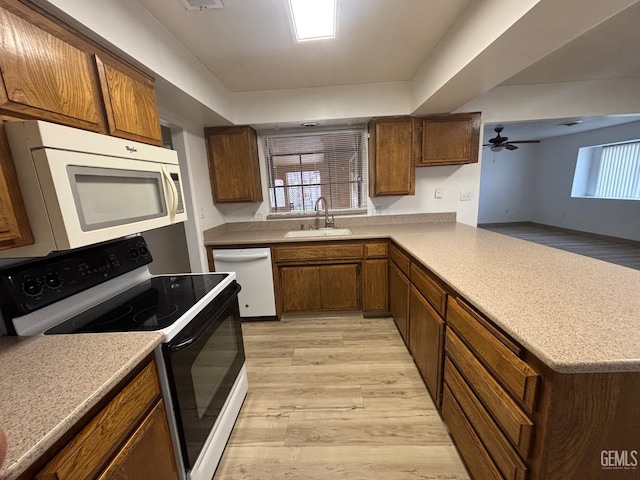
(249,45)
(543,129)
(610,50)
(408,56)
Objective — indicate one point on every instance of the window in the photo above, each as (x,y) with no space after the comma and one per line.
(608,171)
(306,166)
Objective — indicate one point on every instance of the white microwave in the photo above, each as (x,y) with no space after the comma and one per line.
(80,188)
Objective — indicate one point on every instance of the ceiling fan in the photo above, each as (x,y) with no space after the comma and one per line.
(499,142)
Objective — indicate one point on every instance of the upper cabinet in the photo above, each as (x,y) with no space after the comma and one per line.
(399,144)
(44,73)
(130,103)
(50,72)
(234,168)
(392,153)
(14,226)
(449,139)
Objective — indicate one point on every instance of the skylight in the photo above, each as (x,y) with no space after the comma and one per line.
(313,19)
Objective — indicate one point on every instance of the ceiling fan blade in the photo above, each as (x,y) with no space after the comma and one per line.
(525,141)
(508,146)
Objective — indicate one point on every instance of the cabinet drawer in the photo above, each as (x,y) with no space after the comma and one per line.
(517,377)
(306,253)
(89,451)
(505,457)
(475,456)
(429,288)
(375,250)
(513,421)
(400,259)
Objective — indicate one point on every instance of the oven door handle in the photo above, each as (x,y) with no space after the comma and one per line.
(196,336)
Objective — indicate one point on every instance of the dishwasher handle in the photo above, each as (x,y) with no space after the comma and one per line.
(240,258)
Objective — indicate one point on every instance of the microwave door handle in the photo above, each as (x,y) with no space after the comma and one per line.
(174,192)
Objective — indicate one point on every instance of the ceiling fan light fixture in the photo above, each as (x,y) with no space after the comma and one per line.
(497,148)
(313,19)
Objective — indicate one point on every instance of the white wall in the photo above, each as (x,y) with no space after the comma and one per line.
(552,201)
(452,180)
(535,183)
(506,185)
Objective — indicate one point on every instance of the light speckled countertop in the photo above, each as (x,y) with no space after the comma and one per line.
(574,313)
(47,383)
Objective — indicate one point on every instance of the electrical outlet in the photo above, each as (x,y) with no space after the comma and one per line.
(438,192)
(465,195)
(201,212)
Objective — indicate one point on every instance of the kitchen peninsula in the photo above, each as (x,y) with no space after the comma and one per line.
(555,333)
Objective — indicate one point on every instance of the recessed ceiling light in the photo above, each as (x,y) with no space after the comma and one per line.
(200,5)
(309,124)
(313,19)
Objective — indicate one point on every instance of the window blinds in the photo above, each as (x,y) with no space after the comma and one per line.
(305,166)
(619,172)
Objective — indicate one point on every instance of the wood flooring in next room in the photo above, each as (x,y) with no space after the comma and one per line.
(335,398)
(608,249)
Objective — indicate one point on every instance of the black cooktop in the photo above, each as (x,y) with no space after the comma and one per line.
(151,305)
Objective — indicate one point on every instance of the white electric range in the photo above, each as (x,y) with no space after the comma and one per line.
(108,288)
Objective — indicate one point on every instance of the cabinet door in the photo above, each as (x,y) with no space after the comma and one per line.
(399,300)
(339,287)
(148,453)
(374,286)
(426,342)
(43,74)
(14,226)
(300,288)
(130,103)
(449,139)
(234,168)
(391,156)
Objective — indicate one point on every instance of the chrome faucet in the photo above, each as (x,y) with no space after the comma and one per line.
(327,223)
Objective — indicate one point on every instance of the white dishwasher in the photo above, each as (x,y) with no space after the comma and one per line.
(253,273)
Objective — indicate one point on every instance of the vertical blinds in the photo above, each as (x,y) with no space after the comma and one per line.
(306,166)
(619,172)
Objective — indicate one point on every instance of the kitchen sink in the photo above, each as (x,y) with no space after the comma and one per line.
(320,232)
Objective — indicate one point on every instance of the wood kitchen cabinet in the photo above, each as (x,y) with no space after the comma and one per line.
(375,286)
(51,72)
(46,74)
(321,287)
(426,342)
(393,148)
(332,275)
(448,139)
(234,169)
(399,288)
(128,438)
(14,225)
(130,102)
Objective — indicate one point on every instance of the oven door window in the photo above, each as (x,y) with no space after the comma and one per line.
(107,197)
(202,376)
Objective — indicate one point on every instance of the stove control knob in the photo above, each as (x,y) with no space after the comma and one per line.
(53,280)
(143,250)
(134,253)
(31,287)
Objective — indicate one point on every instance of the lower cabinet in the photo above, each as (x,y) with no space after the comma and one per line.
(331,276)
(128,439)
(320,287)
(399,287)
(426,342)
(374,286)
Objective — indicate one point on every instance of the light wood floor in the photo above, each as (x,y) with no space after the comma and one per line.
(335,398)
